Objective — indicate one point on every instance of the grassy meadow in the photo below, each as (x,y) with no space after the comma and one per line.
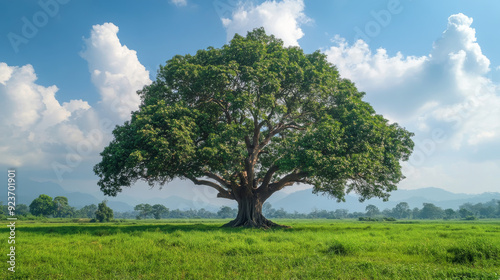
(200,249)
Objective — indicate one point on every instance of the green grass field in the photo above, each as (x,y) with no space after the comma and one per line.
(200,249)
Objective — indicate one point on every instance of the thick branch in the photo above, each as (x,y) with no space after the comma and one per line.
(288,180)
(222,192)
(219,179)
(269,176)
(243,180)
(225,109)
(253,152)
(250,169)
(249,145)
(228,116)
(278,129)
(256,129)
(269,117)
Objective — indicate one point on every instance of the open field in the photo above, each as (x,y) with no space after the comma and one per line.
(311,249)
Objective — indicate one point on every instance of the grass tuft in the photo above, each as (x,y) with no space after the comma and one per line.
(472,251)
(339,249)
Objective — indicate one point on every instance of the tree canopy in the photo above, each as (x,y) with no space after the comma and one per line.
(62,208)
(42,206)
(103,212)
(250,119)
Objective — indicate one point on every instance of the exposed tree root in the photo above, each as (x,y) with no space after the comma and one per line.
(250,215)
(262,223)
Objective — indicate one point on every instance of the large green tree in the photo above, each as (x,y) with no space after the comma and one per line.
(250,119)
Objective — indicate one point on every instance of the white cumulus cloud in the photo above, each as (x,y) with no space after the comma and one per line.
(31,117)
(115,70)
(280,18)
(372,70)
(40,131)
(448,87)
(447,90)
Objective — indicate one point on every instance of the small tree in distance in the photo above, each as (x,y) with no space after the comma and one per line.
(144,210)
(21,209)
(402,210)
(87,211)
(372,210)
(431,211)
(450,214)
(250,119)
(62,208)
(42,206)
(103,213)
(158,210)
(226,212)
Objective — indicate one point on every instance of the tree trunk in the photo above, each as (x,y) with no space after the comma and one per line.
(250,214)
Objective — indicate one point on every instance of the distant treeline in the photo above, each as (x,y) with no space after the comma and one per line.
(59,207)
(46,207)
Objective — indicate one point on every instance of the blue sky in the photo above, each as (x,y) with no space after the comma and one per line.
(432,66)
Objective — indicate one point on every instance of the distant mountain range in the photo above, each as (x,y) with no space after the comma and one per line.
(301,201)
(305,201)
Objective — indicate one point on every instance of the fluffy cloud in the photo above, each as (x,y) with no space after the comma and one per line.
(447,88)
(40,131)
(115,71)
(447,91)
(32,118)
(282,19)
(179,3)
(374,71)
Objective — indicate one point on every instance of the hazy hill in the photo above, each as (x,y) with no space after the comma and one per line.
(29,190)
(305,201)
(301,201)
